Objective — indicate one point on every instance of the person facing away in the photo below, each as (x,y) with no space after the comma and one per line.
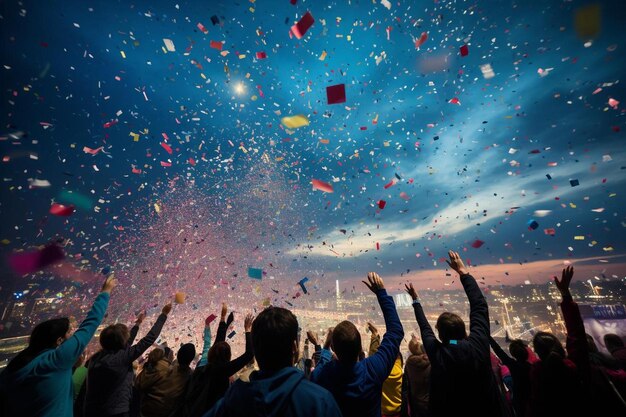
(416,381)
(391,401)
(161,383)
(110,371)
(462,382)
(520,372)
(357,385)
(277,389)
(615,345)
(38,381)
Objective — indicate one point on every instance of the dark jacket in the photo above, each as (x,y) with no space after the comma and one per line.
(110,376)
(416,386)
(210,382)
(161,387)
(462,382)
(357,387)
(284,394)
(520,373)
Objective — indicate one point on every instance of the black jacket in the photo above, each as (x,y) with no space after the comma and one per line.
(462,382)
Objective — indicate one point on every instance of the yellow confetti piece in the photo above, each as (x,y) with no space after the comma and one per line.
(157,208)
(579,238)
(572,205)
(5,241)
(294,122)
(123,54)
(607,249)
(323,56)
(135,136)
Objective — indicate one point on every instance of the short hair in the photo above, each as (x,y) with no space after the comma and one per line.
(346,341)
(613,341)
(114,337)
(450,327)
(274,333)
(186,353)
(219,353)
(154,357)
(518,350)
(547,346)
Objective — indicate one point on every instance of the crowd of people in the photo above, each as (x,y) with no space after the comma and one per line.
(451,373)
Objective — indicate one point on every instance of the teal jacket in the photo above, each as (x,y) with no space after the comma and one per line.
(43,388)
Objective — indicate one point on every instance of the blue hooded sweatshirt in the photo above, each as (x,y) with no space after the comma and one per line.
(285,393)
(43,388)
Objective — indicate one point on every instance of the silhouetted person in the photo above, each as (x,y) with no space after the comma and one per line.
(416,381)
(520,372)
(462,382)
(110,371)
(615,345)
(357,385)
(278,388)
(38,381)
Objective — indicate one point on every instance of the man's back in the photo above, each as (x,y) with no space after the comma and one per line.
(285,393)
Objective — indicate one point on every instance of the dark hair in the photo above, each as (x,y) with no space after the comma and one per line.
(450,327)
(518,350)
(613,341)
(274,332)
(44,336)
(219,353)
(185,354)
(346,341)
(549,349)
(591,344)
(114,337)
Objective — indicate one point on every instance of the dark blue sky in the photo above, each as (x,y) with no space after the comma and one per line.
(515,140)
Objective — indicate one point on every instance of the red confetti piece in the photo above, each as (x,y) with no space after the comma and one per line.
(464,50)
(477,243)
(261,55)
(336,94)
(166,164)
(167,147)
(390,184)
(377,246)
(202,28)
(300,28)
(216,45)
(61,210)
(382,204)
(423,38)
(455,100)
(322,186)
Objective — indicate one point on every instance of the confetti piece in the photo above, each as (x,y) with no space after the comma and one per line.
(382,204)
(322,186)
(261,55)
(216,45)
(294,122)
(210,319)
(532,224)
(88,150)
(61,210)
(202,28)
(464,50)
(613,103)
(574,183)
(167,147)
(215,20)
(420,41)
(455,100)
(255,273)
(301,284)
(299,29)
(180,297)
(477,243)
(28,262)
(386,4)
(336,94)
(549,232)
(169,45)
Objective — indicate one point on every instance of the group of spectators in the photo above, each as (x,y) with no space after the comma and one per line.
(451,373)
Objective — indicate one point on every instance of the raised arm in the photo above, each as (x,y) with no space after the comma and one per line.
(224,324)
(479,311)
(374,339)
(137,350)
(206,343)
(431,344)
(382,361)
(576,343)
(65,355)
(236,364)
(501,354)
(135,329)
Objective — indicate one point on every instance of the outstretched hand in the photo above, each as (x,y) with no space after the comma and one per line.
(224,312)
(109,284)
(247,323)
(329,338)
(167,308)
(140,317)
(456,263)
(411,291)
(372,328)
(566,279)
(375,282)
(312,337)
(231,318)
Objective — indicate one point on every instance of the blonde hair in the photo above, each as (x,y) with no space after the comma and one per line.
(416,348)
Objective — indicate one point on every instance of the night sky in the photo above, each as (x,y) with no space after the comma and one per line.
(180,170)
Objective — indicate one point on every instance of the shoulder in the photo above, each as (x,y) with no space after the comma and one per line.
(312,392)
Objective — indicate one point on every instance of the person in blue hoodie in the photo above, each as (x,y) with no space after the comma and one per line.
(357,385)
(38,381)
(278,388)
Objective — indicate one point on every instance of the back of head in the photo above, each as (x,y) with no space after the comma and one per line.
(274,335)
(612,342)
(518,350)
(346,342)
(219,353)
(549,349)
(114,337)
(155,356)
(185,354)
(591,344)
(44,336)
(450,327)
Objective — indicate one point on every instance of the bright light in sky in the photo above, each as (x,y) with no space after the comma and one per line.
(239,88)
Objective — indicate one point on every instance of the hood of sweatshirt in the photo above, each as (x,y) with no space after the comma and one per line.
(265,395)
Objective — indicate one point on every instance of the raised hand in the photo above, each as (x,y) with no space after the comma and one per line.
(167,308)
(375,282)
(411,291)
(109,284)
(312,337)
(140,317)
(231,318)
(372,328)
(329,338)
(247,323)
(566,278)
(456,263)
(224,312)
